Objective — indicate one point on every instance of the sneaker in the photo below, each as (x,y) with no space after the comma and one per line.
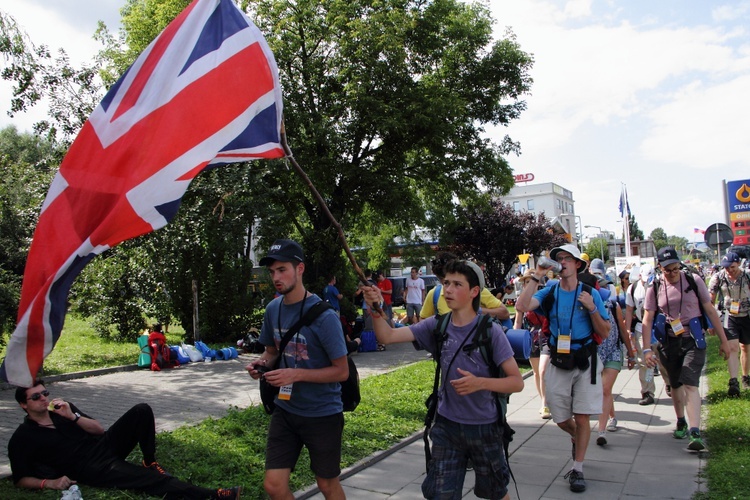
(601,440)
(734,388)
(746,381)
(157,467)
(575,478)
(681,432)
(612,425)
(228,493)
(546,415)
(696,443)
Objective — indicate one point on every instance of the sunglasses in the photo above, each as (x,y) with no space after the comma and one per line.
(38,395)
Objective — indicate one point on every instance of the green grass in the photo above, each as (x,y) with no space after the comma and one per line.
(231,450)
(727,433)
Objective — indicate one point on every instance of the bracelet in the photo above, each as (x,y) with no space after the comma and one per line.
(534,278)
(375,315)
(41,486)
(594,311)
(647,350)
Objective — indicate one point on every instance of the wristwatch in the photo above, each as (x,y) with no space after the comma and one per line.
(78,415)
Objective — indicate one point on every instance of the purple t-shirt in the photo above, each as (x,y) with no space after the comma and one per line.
(478,407)
(675,301)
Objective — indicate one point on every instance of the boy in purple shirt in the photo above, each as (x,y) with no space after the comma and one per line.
(466,424)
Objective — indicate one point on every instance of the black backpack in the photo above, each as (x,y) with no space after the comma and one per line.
(483,341)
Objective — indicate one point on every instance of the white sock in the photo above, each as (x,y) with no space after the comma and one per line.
(578,466)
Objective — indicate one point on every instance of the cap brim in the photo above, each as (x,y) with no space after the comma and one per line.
(669,262)
(270,259)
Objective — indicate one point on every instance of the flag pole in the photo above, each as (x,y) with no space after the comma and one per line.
(324,207)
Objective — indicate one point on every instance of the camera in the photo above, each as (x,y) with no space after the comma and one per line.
(262,369)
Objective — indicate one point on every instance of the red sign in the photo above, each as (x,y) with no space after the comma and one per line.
(524,177)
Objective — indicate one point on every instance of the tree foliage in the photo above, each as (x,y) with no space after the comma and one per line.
(635,231)
(659,236)
(597,248)
(496,235)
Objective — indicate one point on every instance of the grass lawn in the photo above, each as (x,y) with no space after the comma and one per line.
(727,433)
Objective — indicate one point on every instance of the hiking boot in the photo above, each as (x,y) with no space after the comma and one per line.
(157,467)
(601,440)
(696,443)
(681,432)
(648,399)
(746,381)
(734,388)
(228,493)
(575,478)
(612,425)
(546,415)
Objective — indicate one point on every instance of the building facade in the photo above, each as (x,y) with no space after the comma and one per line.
(554,200)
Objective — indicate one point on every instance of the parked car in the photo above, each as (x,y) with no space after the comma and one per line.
(430,280)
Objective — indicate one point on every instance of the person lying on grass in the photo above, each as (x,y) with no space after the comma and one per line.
(466,425)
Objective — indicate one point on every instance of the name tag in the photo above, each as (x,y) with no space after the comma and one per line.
(563,344)
(285,392)
(734,307)
(677,327)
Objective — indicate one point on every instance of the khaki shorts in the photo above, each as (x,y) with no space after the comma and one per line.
(570,392)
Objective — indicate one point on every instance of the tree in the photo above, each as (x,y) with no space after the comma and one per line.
(635,231)
(659,236)
(597,248)
(678,242)
(497,235)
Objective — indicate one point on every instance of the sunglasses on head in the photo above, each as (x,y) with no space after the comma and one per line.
(38,395)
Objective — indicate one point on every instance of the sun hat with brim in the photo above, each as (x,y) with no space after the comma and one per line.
(527,275)
(571,249)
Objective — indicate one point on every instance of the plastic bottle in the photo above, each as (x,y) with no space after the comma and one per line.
(72,493)
(547,263)
(649,374)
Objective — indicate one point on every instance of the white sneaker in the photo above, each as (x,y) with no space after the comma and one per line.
(612,425)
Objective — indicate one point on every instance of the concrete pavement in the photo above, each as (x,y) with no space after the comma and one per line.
(641,459)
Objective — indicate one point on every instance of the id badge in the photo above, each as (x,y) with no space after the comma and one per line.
(285,392)
(677,327)
(734,307)
(563,344)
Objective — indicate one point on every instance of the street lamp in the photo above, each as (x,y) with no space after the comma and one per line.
(601,245)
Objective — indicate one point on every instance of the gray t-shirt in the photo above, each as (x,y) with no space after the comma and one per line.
(313,347)
(478,407)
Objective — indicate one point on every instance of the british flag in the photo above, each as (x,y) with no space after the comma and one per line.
(205,92)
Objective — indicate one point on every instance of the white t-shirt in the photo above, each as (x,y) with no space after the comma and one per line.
(639,294)
(414,290)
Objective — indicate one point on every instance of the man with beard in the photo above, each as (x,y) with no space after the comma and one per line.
(308,409)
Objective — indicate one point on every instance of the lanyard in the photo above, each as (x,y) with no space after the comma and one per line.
(278,321)
(572,310)
(737,283)
(666,299)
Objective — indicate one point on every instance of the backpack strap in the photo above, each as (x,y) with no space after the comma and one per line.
(306,320)
(436,297)
(439,333)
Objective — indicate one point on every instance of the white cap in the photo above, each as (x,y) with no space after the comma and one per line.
(647,272)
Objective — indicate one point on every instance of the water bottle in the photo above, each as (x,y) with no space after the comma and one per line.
(547,263)
(72,493)
(649,374)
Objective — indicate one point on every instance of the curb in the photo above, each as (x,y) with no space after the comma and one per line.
(76,375)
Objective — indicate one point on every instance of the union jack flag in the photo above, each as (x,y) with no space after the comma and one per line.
(205,92)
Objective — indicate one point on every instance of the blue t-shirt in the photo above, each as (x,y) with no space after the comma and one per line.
(560,321)
(313,347)
(331,295)
(478,407)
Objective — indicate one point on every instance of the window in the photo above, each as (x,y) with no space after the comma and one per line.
(517,206)
(530,204)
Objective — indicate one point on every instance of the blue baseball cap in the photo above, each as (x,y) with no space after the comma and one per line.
(729,259)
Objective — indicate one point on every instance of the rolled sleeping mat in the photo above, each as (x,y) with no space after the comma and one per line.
(520,341)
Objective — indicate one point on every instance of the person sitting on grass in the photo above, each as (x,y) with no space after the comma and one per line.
(466,425)
(57,446)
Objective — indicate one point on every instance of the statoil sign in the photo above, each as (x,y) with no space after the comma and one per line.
(738,203)
(524,177)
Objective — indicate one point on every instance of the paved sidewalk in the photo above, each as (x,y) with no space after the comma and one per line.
(641,460)
(633,464)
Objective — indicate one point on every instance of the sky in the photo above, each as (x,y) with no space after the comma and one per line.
(652,95)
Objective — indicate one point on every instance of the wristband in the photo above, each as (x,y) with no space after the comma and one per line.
(375,315)
(647,350)
(41,486)
(594,311)
(534,278)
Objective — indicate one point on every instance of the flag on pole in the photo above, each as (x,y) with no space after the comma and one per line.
(625,213)
(624,204)
(699,230)
(203,93)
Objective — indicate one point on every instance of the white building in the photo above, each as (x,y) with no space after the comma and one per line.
(554,200)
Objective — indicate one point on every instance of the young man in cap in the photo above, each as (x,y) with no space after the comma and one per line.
(58,445)
(733,284)
(308,409)
(573,385)
(466,424)
(682,347)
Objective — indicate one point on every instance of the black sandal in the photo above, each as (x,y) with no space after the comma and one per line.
(669,390)
(381,347)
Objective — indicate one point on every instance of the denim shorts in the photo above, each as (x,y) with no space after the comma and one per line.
(453,444)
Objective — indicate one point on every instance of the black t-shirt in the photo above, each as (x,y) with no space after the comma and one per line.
(50,452)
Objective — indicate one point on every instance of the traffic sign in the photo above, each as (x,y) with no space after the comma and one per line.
(718,236)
